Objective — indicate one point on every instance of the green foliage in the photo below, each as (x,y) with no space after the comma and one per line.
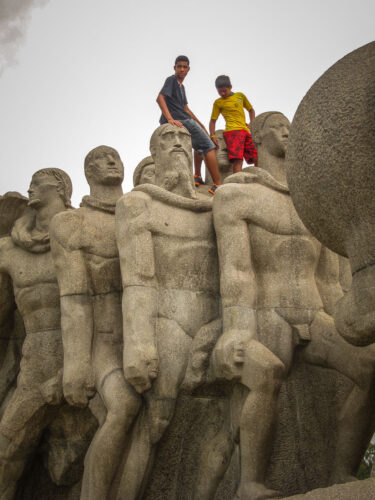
(365,468)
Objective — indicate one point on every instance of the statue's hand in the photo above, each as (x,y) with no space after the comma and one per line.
(78,385)
(52,390)
(140,365)
(355,318)
(229,353)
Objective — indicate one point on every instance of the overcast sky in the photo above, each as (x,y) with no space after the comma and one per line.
(75,74)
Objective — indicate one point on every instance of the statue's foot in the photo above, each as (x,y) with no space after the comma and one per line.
(255,491)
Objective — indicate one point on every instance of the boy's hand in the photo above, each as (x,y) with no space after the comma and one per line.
(215,141)
(175,122)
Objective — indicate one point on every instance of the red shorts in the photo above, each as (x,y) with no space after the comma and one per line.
(240,145)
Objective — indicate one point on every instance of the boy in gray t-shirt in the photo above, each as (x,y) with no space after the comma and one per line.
(174,107)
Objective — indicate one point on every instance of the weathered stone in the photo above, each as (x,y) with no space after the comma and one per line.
(279,287)
(331,174)
(88,271)
(144,172)
(171,314)
(357,490)
(28,278)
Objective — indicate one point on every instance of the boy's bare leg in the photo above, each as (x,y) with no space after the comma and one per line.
(237,166)
(211,163)
(197,163)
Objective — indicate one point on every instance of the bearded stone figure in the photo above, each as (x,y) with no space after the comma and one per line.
(171,322)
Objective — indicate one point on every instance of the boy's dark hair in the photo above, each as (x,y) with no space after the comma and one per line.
(222,81)
(181,59)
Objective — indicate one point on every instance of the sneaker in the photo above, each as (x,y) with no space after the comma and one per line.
(213,188)
(198,180)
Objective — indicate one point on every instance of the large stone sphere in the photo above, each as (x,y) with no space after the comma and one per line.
(331,157)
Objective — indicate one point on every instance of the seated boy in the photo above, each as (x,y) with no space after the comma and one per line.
(174,106)
(237,134)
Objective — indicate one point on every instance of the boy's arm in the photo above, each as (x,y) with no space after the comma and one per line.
(189,112)
(251,114)
(164,109)
(212,127)
(248,106)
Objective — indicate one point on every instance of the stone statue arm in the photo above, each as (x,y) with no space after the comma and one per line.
(7,307)
(76,309)
(139,302)
(237,279)
(327,276)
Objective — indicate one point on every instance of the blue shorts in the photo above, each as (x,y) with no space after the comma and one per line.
(199,138)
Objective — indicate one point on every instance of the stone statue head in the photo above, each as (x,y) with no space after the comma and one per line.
(170,147)
(270,132)
(144,172)
(48,183)
(103,165)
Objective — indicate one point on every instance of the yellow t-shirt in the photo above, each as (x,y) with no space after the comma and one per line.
(232,109)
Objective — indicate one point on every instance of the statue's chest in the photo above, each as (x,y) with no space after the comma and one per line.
(98,234)
(275,212)
(28,268)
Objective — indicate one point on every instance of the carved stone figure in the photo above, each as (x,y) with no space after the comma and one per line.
(88,271)
(171,297)
(12,206)
(279,287)
(144,172)
(331,173)
(27,270)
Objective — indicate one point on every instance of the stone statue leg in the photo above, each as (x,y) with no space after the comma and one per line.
(218,449)
(122,402)
(356,424)
(266,365)
(356,427)
(25,418)
(173,349)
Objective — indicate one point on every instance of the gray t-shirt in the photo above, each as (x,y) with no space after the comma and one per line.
(175,99)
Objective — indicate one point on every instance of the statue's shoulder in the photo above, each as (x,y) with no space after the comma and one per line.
(6,246)
(133,203)
(66,227)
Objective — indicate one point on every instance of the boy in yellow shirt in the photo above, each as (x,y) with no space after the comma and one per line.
(237,134)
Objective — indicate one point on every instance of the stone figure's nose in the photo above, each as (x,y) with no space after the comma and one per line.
(111,160)
(285,132)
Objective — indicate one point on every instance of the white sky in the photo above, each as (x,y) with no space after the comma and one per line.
(89,71)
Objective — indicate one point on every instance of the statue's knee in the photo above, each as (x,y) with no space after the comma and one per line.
(269,377)
(123,414)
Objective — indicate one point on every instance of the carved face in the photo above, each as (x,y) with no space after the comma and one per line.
(173,147)
(106,167)
(275,135)
(148,174)
(43,188)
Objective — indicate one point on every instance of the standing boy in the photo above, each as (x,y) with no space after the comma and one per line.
(174,107)
(237,134)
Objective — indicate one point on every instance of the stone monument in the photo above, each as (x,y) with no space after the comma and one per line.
(331,173)
(171,309)
(37,402)
(88,271)
(279,287)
